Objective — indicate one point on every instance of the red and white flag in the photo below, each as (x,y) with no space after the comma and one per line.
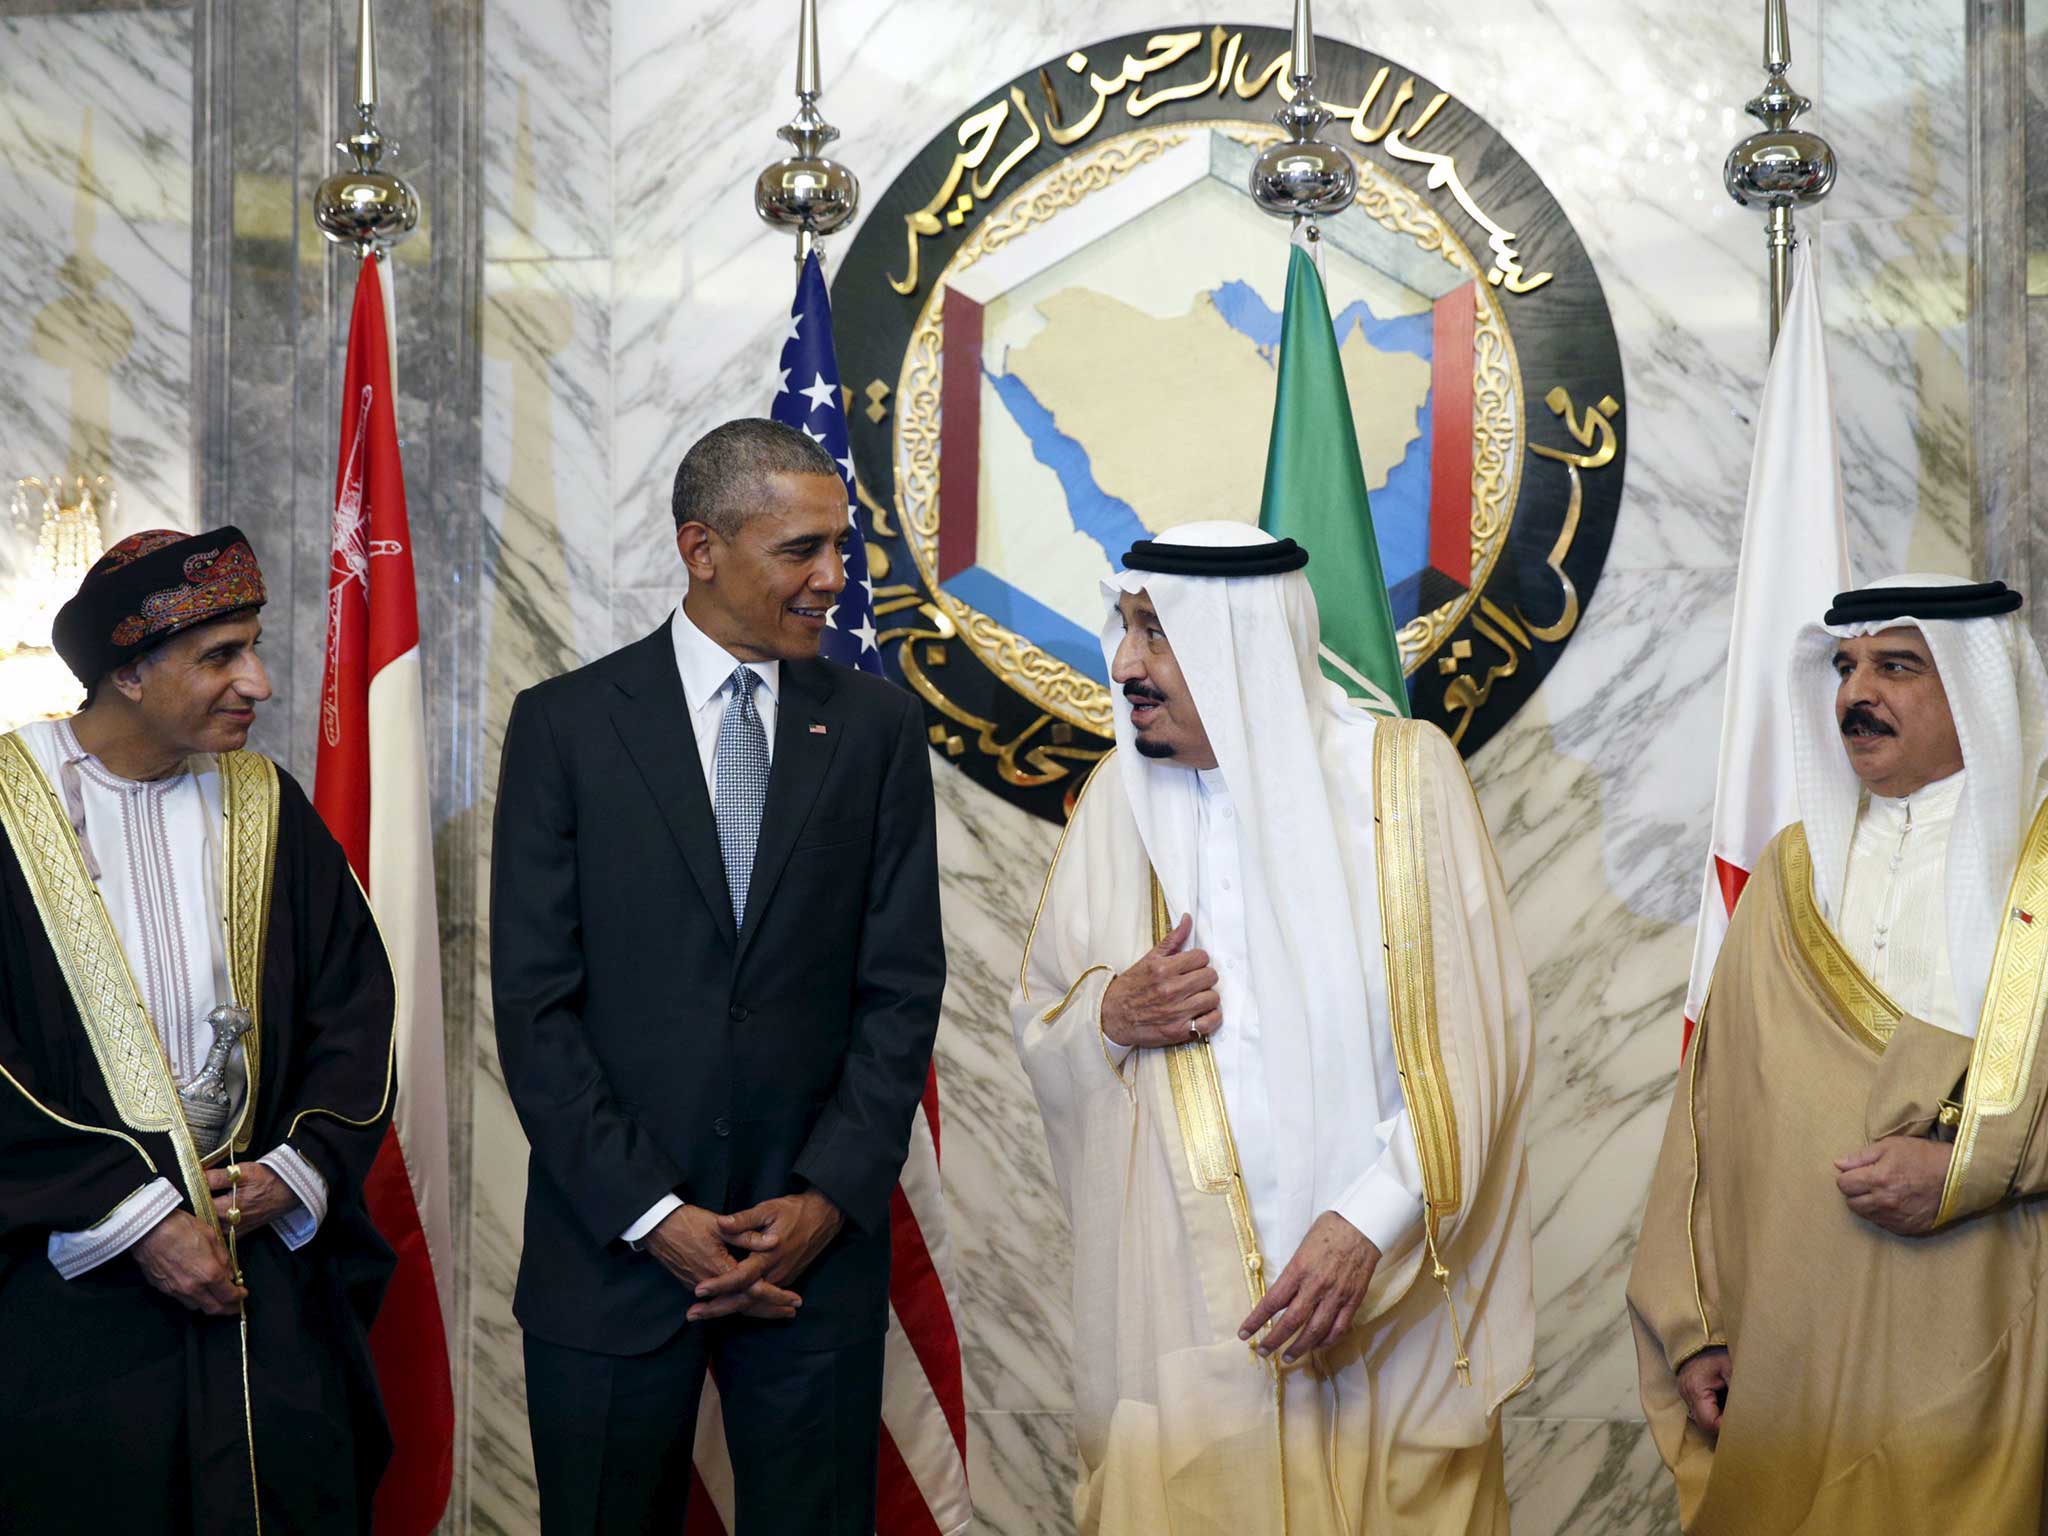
(370,787)
(1795,558)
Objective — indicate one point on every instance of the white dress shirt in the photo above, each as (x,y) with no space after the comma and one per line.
(1894,919)
(1383,1187)
(706,669)
(153,850)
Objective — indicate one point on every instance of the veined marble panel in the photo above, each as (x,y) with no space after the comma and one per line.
(547,609)
(547,137)
(638,611)
(96,257)
(1892,93)
(1587,1477)
(1012,1250)
(1897,300)
(547,471)
(1598,797)
(1020,1467)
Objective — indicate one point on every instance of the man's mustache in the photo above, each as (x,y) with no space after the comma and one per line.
(1137,692)
(1857,720)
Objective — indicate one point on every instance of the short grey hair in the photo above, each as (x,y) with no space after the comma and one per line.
(719,481)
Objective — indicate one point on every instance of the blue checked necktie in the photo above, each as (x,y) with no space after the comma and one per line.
(741,785)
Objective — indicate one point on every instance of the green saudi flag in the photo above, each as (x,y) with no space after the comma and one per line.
(1315,495)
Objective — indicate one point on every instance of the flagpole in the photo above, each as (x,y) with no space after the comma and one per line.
(805,192)
(1782,168)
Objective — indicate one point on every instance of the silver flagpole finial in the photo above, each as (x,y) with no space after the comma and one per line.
(366,206)
(808,86)
(1302,177)
(1777,38)
(366,58)
(807,193)
(1303,65)
(1781,168)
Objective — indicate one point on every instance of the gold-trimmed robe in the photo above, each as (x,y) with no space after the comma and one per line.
(1877,1383)
(123,1410)
(1182,1430)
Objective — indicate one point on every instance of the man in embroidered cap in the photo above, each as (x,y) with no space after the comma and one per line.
(1837,1296)
(1279,1031)
(195,1074)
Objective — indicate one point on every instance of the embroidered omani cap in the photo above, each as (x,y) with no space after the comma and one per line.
(149,587)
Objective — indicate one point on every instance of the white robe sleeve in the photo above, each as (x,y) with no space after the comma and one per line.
(1090,924)
(73,1253)
(298,1225)
(1385,1202)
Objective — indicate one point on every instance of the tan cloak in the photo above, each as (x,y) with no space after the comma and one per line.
(1183,1431)
(1877,1383)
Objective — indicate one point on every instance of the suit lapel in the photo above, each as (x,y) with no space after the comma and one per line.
(653,721)
(802,757)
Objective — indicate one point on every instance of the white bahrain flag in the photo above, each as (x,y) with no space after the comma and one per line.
(1795,558)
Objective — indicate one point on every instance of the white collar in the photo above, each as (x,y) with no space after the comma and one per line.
(706,666)
(1211,780)
(72,755)
(1929,805)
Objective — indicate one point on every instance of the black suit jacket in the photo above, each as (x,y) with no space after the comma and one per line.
(648,1047)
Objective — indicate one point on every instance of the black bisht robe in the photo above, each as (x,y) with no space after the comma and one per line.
(120,1409)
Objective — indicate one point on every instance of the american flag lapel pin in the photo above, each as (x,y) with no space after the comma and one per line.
(818,728)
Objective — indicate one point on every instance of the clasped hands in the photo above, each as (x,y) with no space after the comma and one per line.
(181,1257)
(744,1263)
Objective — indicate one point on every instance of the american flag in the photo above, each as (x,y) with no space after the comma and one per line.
(810,401)
(922,1485)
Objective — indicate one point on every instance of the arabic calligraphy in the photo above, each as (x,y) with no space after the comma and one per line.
(1511,635)
(1229,70)
(1045,762)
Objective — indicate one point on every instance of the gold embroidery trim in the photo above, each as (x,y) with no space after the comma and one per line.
(390,1051)
(2009,1029)
(1405,933)
(1692,1200)
(70,1124)
(249,800)
(124,1042)
(1064,1003)
(1402,853)
(1854,995)
(1205,1128)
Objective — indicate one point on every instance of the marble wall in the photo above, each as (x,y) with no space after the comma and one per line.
(632,301)
(96,258)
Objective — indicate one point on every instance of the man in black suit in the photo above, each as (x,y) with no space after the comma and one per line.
(716,963)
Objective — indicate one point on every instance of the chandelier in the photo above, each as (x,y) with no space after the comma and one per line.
(34,683)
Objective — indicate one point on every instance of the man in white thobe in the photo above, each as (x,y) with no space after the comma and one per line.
(1278,1029)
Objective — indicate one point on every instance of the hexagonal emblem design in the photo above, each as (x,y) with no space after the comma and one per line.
(1059,330)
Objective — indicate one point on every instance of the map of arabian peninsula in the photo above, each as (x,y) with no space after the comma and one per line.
(1149,422)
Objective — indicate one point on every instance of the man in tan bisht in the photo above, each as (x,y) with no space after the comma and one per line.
(1837,1295)
(1284,1083)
